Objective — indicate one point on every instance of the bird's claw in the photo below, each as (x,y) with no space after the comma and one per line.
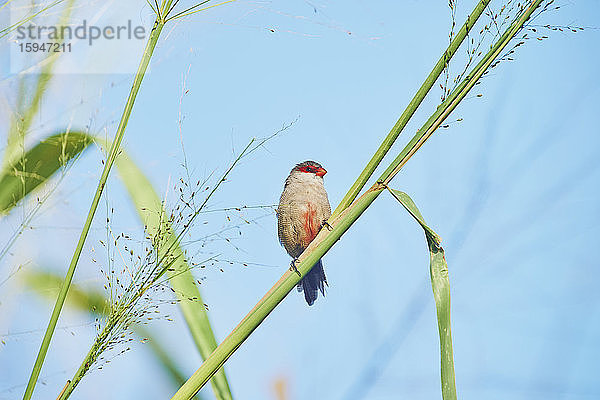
(327,225)
(294,268)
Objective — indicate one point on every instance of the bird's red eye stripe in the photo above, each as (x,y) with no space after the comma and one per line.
(311,169)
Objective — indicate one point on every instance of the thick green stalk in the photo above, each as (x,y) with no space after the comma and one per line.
(340,224)
(411,108)
(139,76)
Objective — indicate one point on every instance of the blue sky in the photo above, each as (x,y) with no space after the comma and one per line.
(512,189)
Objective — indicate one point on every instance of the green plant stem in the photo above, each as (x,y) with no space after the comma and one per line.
(326,239)
(139,76)
(389,140)
(89,359)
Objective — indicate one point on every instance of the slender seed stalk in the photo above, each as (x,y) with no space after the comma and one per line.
(64,388)
(151,212)
(342,222)
(139,76)
(88,361)
(411,108)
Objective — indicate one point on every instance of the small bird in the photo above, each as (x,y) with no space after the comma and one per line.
(303,209)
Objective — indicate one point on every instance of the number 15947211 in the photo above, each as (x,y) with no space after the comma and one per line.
(47,47)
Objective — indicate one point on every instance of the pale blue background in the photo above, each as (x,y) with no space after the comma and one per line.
(512,190)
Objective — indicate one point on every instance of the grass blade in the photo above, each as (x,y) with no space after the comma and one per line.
(150,208)
(38,165)
(412,209)
(438,269)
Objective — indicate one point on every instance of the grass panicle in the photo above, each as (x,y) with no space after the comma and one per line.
(134,290)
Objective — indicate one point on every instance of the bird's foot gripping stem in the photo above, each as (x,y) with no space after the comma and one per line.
(326,225)
(293,266)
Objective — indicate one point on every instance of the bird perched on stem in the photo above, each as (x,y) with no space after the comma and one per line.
(303,209)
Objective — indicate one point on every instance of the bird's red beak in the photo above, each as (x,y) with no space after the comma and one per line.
(321,171)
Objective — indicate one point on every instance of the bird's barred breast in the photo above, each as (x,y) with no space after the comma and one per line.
(302,209)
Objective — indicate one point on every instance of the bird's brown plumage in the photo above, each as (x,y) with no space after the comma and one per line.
(303,207)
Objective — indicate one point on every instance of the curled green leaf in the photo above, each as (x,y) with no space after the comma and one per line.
(438,268)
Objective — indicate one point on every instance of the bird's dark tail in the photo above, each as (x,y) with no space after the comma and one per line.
(313,282)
